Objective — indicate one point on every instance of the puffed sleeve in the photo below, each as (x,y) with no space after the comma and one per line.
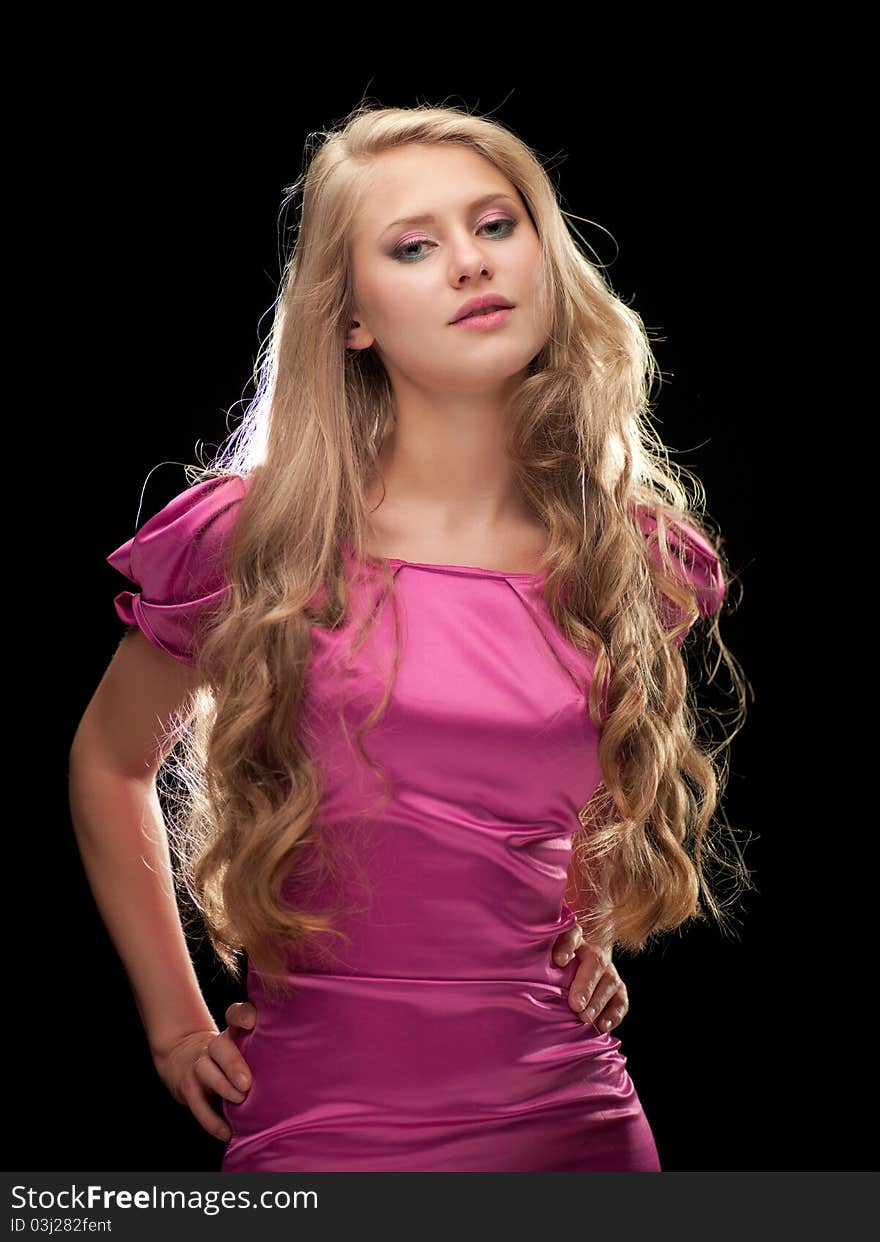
(176,562)
(700,565)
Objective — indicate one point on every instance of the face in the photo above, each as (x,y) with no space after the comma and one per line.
(411,279)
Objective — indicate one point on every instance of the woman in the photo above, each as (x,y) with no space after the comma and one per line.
(414,641)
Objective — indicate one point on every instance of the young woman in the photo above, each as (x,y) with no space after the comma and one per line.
(414,642)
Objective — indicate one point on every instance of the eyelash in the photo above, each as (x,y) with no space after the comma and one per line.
(398,252)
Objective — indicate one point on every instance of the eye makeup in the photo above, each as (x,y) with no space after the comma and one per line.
(398,252)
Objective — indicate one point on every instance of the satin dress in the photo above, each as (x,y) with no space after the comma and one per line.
(440,1037)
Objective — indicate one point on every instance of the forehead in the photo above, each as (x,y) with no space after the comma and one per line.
(423,179)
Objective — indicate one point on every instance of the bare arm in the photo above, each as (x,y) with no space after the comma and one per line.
(122,835)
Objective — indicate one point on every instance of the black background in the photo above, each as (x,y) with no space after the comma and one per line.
(155,197)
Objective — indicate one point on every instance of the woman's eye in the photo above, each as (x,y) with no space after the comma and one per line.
(405,254)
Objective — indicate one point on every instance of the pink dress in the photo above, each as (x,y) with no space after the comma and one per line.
(440,1039)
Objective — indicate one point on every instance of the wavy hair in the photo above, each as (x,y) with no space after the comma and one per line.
(586,456)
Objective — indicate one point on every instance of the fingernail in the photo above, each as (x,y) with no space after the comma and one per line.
(591,1012)
(580,1001)
(241,1080)
(564,958)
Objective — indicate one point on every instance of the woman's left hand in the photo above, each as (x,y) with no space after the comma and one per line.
(597,993)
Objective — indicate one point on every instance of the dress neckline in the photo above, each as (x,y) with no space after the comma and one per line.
(465,569)
(478,570)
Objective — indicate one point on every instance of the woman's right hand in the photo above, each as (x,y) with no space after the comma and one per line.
(205,1063)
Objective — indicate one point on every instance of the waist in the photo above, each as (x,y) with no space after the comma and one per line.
(361,1049)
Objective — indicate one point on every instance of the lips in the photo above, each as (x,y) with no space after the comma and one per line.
(482,305)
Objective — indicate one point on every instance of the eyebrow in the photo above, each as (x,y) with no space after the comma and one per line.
(427,217)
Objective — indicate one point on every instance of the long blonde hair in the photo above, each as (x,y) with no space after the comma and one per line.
(584,452)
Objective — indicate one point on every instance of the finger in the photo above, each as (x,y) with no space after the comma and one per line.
(204,1114)
(605,990)
(241,1013)
(566,943)
(585,982)
(612,1015)
(215,1076)
(224,1052)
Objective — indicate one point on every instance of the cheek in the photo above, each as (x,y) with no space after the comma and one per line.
(530,274)
(529,262)
(401,305)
